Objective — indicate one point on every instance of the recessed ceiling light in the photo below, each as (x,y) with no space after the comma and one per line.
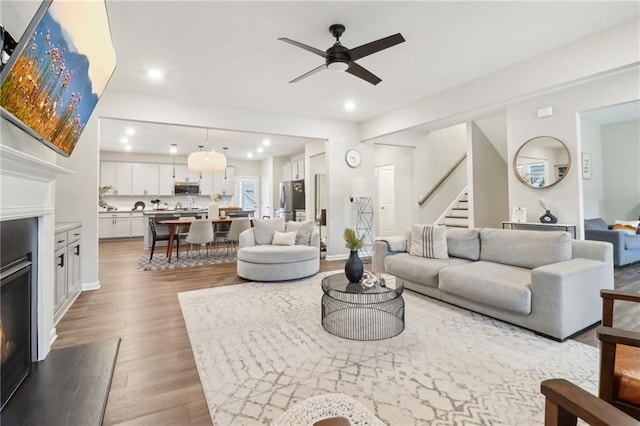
(124,140)
(173,149)
(249,154)
(127,147)
(349,105)
(266,142)
(155,74)
(260,150)
(130,131)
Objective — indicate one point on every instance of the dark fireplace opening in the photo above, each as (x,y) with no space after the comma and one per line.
(18,303)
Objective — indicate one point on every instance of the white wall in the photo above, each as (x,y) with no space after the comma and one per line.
(564,199)
(439,151)
(592,189)
(621,170)
(401,157)
(488,194)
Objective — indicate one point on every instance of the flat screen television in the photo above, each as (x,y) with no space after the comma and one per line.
(52,81)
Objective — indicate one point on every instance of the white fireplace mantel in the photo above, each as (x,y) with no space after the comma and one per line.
(27,189)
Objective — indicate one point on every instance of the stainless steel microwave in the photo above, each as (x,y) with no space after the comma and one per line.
(186,188)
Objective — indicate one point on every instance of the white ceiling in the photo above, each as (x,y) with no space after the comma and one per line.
(227,53)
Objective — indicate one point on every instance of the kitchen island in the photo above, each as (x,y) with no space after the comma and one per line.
(160,214)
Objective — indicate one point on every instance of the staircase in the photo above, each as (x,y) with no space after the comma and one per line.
(458,214)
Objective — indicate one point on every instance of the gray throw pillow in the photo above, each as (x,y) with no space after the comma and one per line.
(429,241)
(265,228)
(303,229)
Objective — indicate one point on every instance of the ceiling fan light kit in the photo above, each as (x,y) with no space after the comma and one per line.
(340,58)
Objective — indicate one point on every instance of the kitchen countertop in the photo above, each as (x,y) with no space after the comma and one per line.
(67,226)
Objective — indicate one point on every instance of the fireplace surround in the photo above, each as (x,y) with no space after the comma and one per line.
(18,316)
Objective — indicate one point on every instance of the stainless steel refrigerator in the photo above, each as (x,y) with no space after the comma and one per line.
(291,199)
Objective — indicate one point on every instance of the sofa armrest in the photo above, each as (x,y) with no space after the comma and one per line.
(247,238)
(594,250)
(567,294)
(380,251)
(315,238)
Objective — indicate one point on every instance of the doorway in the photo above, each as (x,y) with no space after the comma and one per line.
(247,190)
(387,200)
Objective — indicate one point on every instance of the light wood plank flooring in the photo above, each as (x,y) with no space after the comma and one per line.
(155,380)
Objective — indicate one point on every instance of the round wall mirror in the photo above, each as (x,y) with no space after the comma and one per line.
(542,162)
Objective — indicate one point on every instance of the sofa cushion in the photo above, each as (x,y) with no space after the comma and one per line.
(500,286)
(429,241)
(265,228)
(632,242)
(284,238)
(277,254)
(303,229)
(596,223)
(526,249)
(464,243)
(417,269)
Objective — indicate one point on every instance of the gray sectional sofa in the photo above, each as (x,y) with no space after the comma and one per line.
(540,280)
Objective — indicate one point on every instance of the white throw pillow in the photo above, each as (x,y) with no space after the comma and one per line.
(429,241)
(303,230)
(265,228)
(284,238)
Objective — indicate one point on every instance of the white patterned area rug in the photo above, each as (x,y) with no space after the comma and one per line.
(260,349)
(194,259)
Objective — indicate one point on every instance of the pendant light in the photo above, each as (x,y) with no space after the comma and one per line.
(225,162)
(207,161)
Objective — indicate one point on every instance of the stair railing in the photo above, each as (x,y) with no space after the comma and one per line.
(442,180)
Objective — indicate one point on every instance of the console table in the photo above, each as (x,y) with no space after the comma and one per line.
(535,226)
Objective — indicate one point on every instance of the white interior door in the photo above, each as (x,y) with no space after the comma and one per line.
(247,192)
(387,201)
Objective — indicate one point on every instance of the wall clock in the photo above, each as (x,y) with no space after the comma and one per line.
(352,157)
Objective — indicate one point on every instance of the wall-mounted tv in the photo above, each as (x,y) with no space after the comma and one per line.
(52,81)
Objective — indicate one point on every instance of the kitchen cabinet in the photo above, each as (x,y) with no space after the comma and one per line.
(145,179)
(183,174)
(117,175)
(206,184)
(165,179)
(224,186)
(297,170)
(138,223)
(114,225)
(68,284)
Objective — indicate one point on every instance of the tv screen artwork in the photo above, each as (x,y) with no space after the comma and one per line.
(63,62)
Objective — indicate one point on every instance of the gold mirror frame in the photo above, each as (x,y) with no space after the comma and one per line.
(559,170)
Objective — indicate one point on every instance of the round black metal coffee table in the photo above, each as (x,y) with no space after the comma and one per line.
(351,311)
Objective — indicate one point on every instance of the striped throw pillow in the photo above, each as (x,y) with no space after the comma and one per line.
(429,241)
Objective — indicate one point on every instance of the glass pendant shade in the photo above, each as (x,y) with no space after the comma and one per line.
(207,162)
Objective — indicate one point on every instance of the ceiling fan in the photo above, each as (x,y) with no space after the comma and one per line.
(340,58)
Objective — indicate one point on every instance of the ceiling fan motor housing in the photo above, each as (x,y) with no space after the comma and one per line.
(338,58)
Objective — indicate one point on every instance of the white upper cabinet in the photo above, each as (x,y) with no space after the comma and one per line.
(297,169)
(224,186)
(183,174)
(146,179)
(165,181)
(118,175)
(206,184)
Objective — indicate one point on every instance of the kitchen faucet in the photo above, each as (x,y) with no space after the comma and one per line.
(178,206)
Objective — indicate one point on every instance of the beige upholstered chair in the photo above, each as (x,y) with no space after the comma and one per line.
(200,232)
(237,226)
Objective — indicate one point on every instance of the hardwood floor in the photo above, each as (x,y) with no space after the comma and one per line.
(155,380)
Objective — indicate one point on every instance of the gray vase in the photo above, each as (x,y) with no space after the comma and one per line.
(354,269)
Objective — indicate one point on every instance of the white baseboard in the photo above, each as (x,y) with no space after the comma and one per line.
(331,257)
(91,286)
(53,336)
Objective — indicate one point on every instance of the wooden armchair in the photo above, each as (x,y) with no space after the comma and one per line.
(619,357)
(619,390)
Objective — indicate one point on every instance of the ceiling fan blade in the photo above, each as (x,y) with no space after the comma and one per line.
(307,74)
(375,46)
(305,47)
(364,74)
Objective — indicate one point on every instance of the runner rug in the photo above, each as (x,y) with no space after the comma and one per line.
(260,349)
